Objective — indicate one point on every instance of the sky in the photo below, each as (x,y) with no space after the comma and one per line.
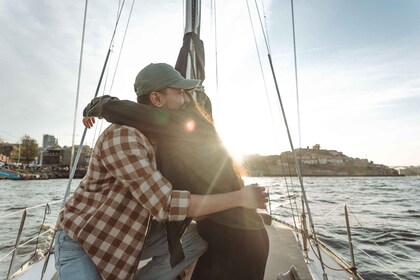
(358,70)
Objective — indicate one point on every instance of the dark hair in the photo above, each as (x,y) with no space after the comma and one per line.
(145,98)
(230,175)
(196,105)
(229,163)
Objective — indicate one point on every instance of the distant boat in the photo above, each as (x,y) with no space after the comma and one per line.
(8,174)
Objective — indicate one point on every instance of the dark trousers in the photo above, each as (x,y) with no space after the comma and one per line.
(232,253)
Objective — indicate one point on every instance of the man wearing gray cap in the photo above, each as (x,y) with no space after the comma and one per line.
(102,228)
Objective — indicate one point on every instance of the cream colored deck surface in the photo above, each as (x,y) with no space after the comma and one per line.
(284,252)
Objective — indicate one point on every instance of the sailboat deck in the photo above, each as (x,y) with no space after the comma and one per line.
(284,252)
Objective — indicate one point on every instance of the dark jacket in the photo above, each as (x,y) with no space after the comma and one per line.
(189,154)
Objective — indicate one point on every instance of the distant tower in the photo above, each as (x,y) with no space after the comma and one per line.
(49,141)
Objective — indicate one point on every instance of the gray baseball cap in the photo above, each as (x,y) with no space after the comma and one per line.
(158,76)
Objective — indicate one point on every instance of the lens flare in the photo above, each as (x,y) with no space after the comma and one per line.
(190,125)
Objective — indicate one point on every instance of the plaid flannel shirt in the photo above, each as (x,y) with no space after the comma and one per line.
(109,210)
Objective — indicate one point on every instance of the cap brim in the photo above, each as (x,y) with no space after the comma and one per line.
(185,84)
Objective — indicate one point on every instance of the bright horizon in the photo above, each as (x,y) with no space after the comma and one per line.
(358,69)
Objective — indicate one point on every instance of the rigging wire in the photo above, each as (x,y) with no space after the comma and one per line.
(122,45)
(293,189)
(271,112)
(261,67)
(292,147)
(79,150)
(99,128)
(296,74)
(267,45)
(265,21)
(73,169)
(291,207)
(267,96)
(78,83)
(292,185)
(267,40)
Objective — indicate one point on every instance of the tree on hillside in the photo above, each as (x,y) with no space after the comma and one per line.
(27,152)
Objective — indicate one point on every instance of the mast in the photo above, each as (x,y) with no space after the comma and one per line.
(190,62)
(192,25)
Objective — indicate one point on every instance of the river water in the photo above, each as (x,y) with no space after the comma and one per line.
(384,217)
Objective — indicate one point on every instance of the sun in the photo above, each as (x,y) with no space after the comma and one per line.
(243,136)
(235,143)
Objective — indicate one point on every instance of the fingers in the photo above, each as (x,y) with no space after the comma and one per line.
(257,196)
(264,197)
(88,121)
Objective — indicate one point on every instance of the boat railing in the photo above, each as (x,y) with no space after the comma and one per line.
(23,239)
(375,260)
(353,262)
(308,239)
(340,258)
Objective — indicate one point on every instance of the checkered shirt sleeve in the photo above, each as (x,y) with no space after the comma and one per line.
(124,154)
(109,210)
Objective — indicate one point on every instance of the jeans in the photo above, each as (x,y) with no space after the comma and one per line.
(71,260)
(73,263)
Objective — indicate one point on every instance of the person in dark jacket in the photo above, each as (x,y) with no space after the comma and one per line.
(192,157)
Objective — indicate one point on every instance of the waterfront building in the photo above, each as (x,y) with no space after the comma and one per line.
(49,141)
